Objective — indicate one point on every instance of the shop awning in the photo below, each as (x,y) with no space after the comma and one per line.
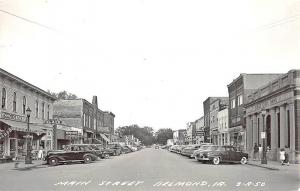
(21,126)
(104,137)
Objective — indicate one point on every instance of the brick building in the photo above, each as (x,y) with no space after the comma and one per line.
(96,124)
(16,96)
(218,104)
(238,91)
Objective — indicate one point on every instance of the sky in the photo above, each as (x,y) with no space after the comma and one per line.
(150,62)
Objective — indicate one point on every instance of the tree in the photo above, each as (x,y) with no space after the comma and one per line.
(63,95)
(144,134)
(162,135)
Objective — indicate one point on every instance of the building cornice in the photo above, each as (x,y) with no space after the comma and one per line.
(12,77)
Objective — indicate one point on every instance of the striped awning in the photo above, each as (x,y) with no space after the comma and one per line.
(21,126)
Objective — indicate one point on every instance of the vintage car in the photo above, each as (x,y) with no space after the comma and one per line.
(189,150)
(106,152)
(173,148)
(180,148)
(126,149)
(217,154)
(203,146)
(116,147)
(71,153)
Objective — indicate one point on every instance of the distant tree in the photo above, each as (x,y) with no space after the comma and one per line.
(162,135)
(144,134)
(63,95)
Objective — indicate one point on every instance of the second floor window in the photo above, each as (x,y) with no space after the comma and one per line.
(48,112)
(232,103)
(24,105)
(15,102)
(3,98)
(240,99)
(43,110)
(36,109)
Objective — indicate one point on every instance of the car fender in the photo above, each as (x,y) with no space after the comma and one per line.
(60,158)
(94,157)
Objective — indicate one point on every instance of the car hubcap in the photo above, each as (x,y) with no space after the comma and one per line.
(216,160)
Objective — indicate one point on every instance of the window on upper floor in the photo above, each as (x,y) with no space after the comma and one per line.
(84,120)
(24,105)
(232,103)
(48,112)
(240,99)
(36,108)
(43,110)
(3,98)
(15,102)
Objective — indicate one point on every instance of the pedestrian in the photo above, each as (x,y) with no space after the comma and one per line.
(260,149)
(255,153)
(282,156)
(40,154)
(286,155)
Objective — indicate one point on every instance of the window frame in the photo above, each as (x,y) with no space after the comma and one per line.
(24,105)
(15,102)
(3,98)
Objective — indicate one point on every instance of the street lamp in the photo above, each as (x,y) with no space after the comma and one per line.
(264,157)
(28,159)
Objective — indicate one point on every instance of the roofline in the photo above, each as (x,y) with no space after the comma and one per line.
(29,85)
(248,74)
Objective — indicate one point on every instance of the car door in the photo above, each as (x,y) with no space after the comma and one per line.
(233,154)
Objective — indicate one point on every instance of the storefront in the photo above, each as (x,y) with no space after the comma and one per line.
(237,137)
(13,138)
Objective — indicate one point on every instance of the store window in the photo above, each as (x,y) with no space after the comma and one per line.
(24,105)
(15,102)
(3,98)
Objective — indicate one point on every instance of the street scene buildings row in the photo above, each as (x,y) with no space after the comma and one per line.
(258,107)
(51,123)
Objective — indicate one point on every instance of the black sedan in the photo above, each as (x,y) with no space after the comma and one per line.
(70,154)
(217,154)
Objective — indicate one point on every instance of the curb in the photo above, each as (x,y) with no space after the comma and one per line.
(263,166)
(28,167)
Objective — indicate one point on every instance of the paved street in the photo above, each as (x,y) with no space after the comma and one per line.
(149,169)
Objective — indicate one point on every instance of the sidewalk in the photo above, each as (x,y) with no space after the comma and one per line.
(20,165)
(273,165)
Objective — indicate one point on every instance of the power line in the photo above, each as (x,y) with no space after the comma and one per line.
(28,20)
(279,22)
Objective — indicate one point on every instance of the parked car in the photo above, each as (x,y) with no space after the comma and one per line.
(217,154)
(173,148)
(203,146)
(71,153)
(126,150)
(180,148)
(106,152)
(116,147)
(189,150)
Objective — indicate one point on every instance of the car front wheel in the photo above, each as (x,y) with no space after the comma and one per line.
(216,160)
(244,160)
(53,161)
(87,159)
